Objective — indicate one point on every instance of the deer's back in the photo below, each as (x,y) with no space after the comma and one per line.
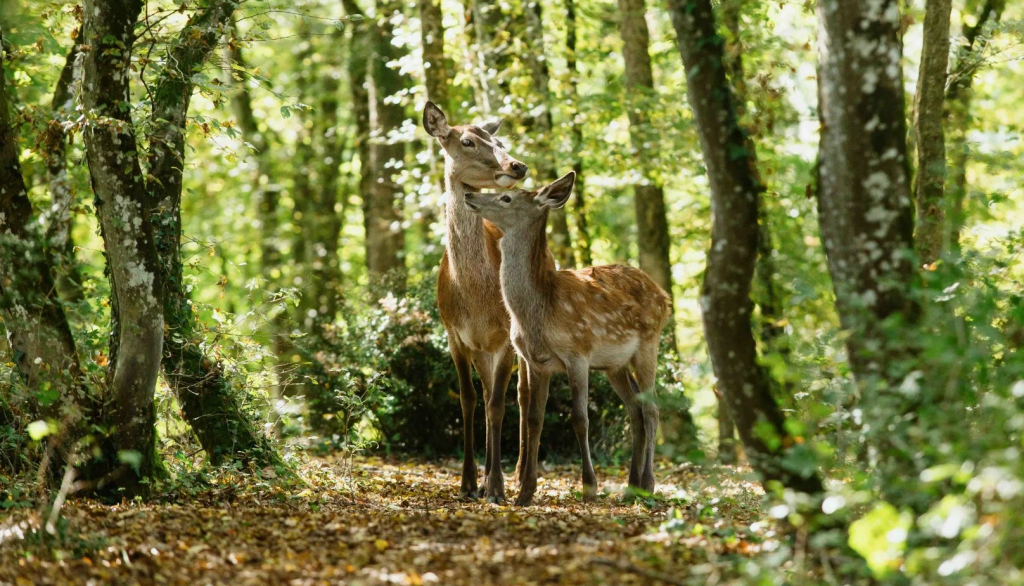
(604,313)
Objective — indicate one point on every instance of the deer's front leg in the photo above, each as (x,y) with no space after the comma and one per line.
(534,425)
(578,370)
(495,482)
(467,397)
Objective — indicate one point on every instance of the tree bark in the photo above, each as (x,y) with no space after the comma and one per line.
(648,195)
(540,127)
(579,205)
(385,236)
(735,190)
(206,396)
(60,240)
(864,198)
(124,208)
(931,142)
(41,342)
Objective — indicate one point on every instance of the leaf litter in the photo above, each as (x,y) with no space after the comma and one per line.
(372,521)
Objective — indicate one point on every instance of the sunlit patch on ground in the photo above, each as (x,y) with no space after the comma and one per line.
(376,522)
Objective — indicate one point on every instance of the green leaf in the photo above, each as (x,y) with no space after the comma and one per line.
(880,537)
(37,430)
(130,457)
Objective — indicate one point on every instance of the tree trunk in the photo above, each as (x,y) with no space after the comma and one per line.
(207,399)
(326,270)
(435,73)
(579,205)
(735,191)
(435,70)
(958,117)
(540,131)
(385,237)
(931,142)
(60,241)
(864,197)
(648,195)
(41,342)
(358,63)
(124,208)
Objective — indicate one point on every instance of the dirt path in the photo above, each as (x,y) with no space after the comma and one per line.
(375,522)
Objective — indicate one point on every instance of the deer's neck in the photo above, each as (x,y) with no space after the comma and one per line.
(467,248)
(526,276)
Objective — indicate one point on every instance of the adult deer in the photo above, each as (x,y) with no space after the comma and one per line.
(468,289)
(604,318)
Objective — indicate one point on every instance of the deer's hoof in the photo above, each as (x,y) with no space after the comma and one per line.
(589,494)
(469,493)
(524,500)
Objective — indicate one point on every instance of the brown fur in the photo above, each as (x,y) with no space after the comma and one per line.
(604,318)
(469,291)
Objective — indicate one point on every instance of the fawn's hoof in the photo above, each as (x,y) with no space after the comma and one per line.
(589,494)
(469,493)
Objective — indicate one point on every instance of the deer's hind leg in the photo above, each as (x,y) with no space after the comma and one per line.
(467,398)
(645,366)
(624,387)
(579,382)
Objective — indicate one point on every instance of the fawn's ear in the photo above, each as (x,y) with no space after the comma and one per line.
(554,195)
(434,121)
(493,126)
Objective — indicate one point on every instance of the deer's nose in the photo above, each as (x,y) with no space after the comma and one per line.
(519,169)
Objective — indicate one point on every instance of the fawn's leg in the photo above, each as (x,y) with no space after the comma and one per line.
(578,370)
(467,397)
(620,381)
(645,365)
(534,423)
(523,397)
(495,483)
(483,362)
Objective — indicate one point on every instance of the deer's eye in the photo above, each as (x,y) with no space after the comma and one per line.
(505,199)
(466,142)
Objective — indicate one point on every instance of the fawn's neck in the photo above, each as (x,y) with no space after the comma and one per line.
(526,277)
(467,249)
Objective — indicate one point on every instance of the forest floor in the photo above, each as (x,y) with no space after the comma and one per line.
(372,521)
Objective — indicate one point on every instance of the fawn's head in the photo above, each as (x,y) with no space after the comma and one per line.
(518,207)
(477,158)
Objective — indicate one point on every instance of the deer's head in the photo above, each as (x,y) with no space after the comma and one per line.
(510,209)
(476,156)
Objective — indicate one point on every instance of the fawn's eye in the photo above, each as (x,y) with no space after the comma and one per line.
(466,142)
(505,199)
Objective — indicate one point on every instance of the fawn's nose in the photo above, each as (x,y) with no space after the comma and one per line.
(519,169)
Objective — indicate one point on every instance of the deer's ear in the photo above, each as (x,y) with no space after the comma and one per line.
(554,195)
(493,126)
(434,121)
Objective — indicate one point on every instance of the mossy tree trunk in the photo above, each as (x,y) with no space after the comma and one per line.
(735,191)
(208,401)
(124,206)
